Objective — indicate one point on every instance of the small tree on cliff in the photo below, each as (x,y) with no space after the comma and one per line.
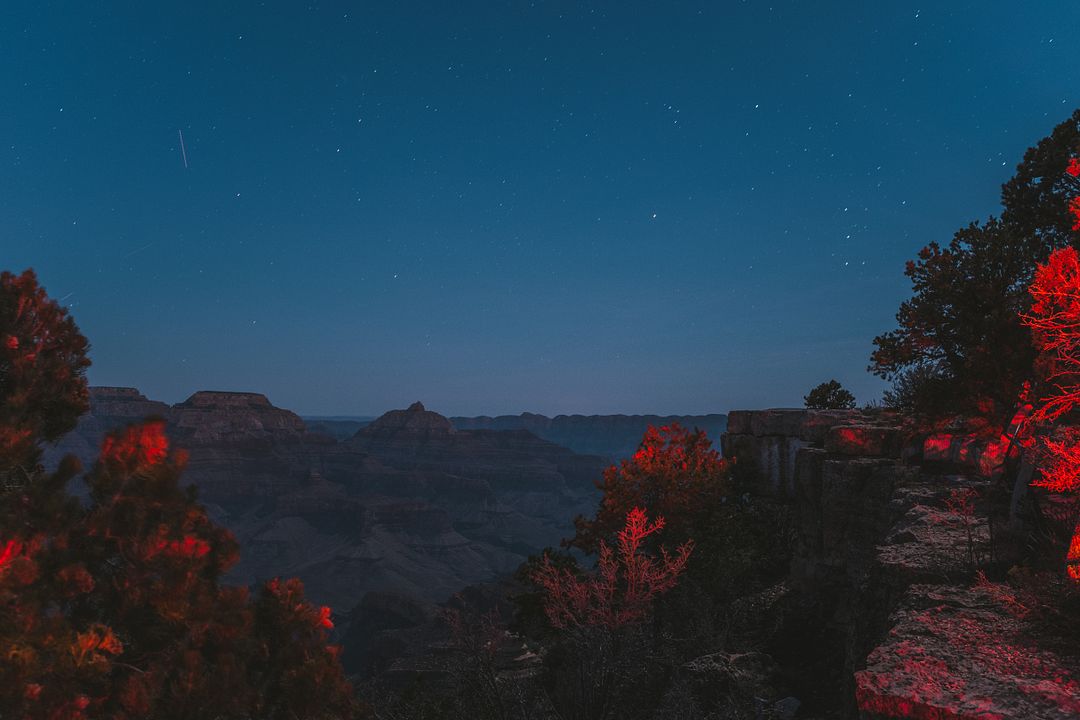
(42,372)
(624,586)
(675,473)
(598,663)
(830,395)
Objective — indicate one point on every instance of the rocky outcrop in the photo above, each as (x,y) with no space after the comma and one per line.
(767,442)
(886,608)
(609,436)
(966,653)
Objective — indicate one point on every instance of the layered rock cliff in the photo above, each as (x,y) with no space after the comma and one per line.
(611,436)
(887,616)
(410,505)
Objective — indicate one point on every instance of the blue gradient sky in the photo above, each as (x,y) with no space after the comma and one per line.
(496,207)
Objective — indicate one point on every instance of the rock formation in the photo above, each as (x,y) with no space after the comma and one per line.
(610,436)
(408,505)
(886,616)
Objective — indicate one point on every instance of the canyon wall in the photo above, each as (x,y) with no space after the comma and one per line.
(888,617)
(611,436)
(408,505)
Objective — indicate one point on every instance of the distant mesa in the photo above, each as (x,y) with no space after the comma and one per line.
(124,402)
(416,419)
(223,398)
(611,436)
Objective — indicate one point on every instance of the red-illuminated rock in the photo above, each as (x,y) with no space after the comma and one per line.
(959,653)
(864,440)
(983,456)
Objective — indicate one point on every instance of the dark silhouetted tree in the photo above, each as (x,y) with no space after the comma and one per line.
(1036,201)
(42,371)
(960,333)
(830,396)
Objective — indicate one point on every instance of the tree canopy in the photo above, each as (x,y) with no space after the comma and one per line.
(675,473)
(116,609)
(961,331)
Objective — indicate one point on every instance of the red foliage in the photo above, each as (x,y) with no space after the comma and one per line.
(138,446)
(1072,558)
(624,586)
(117,610)
(1055,323)
(11,550)
(1054,319)
(1059,462)
(675,473)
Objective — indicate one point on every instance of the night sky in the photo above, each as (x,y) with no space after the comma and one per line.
(497,207)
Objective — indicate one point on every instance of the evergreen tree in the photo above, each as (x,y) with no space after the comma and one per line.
(116,610)
(42,372)
(830,395)
(960,346)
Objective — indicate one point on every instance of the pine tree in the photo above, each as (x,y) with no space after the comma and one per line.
(42,373)
(117,610)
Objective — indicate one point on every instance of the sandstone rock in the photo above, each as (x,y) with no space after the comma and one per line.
(738,422)
(414,419)
(855,508)
(864,440)
(817,423)
(807,425)
(770,459)
(966,654)
(735,681)
(934,542)
(984,456)
(777,421)
(124,402)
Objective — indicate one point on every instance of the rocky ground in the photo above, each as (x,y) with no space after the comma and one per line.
(890,616)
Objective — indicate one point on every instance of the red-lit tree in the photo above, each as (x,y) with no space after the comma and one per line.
(1054,320)
(675,473)
(600,657)
(625,584)
(117,610)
